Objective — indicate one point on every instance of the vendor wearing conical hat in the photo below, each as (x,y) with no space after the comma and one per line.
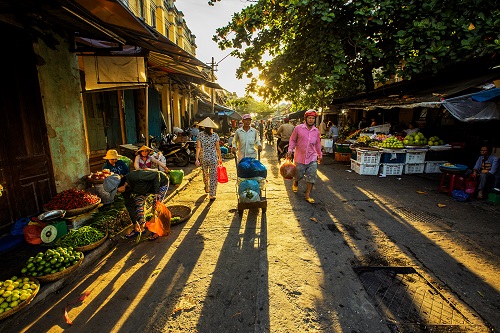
(144,160)
(115,164)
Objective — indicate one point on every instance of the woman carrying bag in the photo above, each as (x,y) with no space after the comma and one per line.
(207,144)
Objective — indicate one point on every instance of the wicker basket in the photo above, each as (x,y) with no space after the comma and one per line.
(92,246)
(184,212)
(83,210)
(24,303)
(60,275)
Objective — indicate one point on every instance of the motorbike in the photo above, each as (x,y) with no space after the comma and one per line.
(191,150)
(269,135)
(174,153)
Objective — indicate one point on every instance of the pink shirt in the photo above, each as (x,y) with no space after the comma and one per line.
(307,144)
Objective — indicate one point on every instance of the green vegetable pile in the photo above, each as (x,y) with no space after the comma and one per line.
(52,261)
(81,237)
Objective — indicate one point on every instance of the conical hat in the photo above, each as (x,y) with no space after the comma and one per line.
(143,148)
(207,122)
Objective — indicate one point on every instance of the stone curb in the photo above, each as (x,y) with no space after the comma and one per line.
(93,256)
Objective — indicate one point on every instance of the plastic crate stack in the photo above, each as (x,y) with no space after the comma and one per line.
(392,162)
(415,161)
(435,157)
(367,161)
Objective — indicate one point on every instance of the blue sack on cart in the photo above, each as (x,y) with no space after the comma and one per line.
(248,184)
(250,168)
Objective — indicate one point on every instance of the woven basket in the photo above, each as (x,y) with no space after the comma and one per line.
(78,211)
(60,275)
(92,246)
(24,303)
(184,212)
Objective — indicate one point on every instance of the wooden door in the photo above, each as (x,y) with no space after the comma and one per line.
(25,163)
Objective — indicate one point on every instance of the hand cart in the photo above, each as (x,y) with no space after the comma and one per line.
(250,205)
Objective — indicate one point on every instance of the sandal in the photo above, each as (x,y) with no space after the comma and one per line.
(310,200)
(153,237)
(295,188)
(132,234)
(212,198)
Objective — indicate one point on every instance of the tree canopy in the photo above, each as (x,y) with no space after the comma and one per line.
(310,51)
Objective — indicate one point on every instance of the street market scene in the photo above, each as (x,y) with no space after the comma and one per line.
(353,186)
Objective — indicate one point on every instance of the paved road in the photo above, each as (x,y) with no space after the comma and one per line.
(299,267)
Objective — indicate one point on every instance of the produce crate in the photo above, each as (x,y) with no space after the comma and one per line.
(392,169)
(433,166)
(367,156)
(438,155)
(364,169)
(393,157)
(342,157)
(414,168)
(342,148)
(413,157)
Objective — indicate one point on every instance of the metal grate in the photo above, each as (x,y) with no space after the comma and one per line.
(412,216)
(409,302)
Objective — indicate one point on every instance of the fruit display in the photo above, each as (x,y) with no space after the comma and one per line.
(435,141)
(51,262)
(415,139)
(15,291)
(99,175)
(71,199)
(391,142)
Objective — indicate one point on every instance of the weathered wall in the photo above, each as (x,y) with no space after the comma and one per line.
(62,102)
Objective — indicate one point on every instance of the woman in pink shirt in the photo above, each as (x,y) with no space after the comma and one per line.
(306,141)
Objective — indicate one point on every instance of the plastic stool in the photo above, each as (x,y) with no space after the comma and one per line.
(448,182)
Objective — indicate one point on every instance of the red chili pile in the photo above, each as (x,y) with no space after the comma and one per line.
(71,199)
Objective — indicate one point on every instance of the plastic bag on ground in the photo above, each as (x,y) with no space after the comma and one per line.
(176,176)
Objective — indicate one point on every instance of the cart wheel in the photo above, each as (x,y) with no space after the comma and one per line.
(240,212)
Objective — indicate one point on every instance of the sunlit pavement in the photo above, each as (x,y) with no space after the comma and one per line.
(290,269)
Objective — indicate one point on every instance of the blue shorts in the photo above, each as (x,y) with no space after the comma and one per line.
(307,171)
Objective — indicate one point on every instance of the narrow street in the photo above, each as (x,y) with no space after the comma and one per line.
(298,267)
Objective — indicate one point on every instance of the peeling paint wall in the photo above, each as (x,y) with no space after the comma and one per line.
(62,102)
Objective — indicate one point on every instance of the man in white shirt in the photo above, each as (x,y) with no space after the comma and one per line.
(246,139)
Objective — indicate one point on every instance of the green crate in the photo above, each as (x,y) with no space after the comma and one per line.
(342,148)
(494,198)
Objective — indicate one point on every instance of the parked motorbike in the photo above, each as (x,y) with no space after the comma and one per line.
(174,153)
(283,152)
(191,150)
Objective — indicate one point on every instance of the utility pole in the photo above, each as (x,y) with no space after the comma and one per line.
(212,90)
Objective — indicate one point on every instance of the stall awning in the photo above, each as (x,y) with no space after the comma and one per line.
(104,73)
(222,110)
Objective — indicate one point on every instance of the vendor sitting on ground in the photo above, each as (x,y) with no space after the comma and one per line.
(135,188)
(114,164)
(486,167)
(144,160)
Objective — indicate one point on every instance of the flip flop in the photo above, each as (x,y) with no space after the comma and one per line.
(212,198)
(295,188)
(153,237)
(310,200)
(132,234)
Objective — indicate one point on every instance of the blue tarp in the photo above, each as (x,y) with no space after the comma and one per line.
(486,95)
